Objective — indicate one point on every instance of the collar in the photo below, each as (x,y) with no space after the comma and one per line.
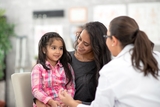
(49,65)
(126,49)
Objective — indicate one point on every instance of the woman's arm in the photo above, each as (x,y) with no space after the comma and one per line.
(105,95)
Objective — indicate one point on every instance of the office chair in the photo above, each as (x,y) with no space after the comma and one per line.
(22,89)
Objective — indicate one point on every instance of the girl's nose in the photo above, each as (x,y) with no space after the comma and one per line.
(58,50)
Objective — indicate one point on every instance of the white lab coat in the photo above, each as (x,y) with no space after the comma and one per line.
(120,85)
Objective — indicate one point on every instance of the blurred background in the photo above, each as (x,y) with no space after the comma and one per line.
(30,19)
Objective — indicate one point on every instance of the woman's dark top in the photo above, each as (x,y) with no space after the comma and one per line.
(85,88)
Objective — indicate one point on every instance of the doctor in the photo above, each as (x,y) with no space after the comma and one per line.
(132,78)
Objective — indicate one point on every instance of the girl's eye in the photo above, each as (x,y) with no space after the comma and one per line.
(61,48)
(53,47)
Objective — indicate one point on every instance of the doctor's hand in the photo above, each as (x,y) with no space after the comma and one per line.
(67,99)
(78,101)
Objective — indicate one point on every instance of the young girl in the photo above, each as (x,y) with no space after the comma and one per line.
(52,71)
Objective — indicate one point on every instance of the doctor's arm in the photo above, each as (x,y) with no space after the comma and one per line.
(105,96)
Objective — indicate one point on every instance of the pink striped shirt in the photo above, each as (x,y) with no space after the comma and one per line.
(47,83)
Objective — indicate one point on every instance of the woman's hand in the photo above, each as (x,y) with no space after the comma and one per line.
(67,99)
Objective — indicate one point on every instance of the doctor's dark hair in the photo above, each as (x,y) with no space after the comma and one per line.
(47,39)
(102,55)
(126,30)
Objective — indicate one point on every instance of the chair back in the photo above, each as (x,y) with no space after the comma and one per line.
(22,89)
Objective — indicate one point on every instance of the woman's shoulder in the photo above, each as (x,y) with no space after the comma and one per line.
(157,55)
(72,55)
(119,63)
(71,52)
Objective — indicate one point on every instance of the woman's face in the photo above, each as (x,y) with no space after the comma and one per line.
(109,42)
(113,44)
(84,43)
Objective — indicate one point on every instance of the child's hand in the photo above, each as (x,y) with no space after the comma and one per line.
(65,97)
(63,105)
(53,103)
(40,104)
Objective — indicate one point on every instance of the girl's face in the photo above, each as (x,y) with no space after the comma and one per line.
(54,51)
(84,45)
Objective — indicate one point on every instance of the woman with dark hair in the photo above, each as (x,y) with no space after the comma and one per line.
(88,58)
(132,78)
(90,55)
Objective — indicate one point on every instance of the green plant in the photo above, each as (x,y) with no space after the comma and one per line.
(6,31)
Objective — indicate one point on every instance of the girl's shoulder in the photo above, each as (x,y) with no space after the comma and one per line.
(37,69)
(38,66)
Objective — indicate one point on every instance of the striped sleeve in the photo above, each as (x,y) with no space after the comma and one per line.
(36,84)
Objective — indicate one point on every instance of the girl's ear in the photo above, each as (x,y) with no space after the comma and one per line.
(114,41)
(44,51)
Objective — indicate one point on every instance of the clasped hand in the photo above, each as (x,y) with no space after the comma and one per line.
(67,99)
